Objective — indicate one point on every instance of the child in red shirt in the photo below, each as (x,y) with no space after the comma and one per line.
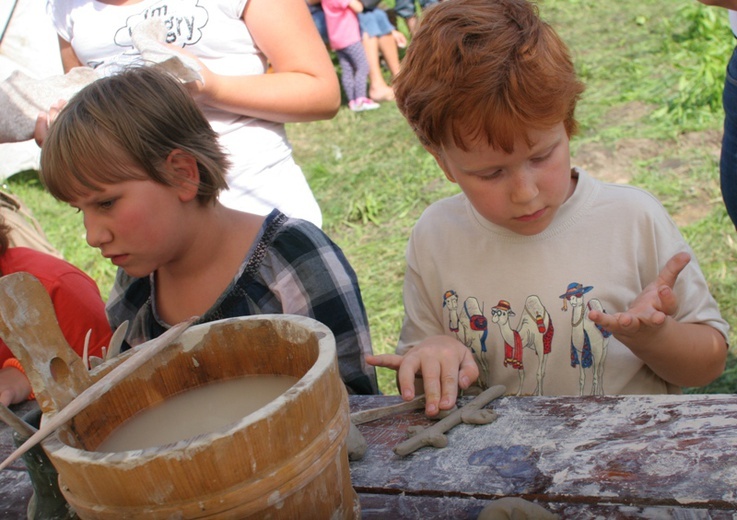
(77,302)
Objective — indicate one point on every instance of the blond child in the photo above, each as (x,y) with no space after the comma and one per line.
(536,267)
(136,156)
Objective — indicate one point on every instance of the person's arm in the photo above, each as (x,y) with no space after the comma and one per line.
(727,4)
(69,59)
(14,385)
(302,85)
(399,38)
(355,6)
(683,354)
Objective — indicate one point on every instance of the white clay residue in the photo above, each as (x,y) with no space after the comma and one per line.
(194,336)
(560,476)
(201,410)
(684,500)
(275,498)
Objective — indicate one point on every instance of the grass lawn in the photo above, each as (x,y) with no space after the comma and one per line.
(651,116)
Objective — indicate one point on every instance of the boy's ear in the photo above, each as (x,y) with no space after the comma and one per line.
(186,174)
(437,154)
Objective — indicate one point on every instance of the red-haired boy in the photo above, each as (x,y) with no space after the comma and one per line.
(598,291)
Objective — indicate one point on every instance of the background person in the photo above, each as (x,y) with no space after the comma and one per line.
(344,35)
(76,300)
(380,39)
(236,42)
(407,9)
(728,159)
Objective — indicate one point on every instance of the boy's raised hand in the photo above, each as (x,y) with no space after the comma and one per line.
(444,363)
(651,307)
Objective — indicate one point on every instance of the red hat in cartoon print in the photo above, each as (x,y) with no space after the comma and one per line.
(574,289)
(503,305)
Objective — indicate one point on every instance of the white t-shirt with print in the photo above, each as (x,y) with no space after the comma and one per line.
(263,175)
(520,302)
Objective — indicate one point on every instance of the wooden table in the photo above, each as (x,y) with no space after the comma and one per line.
(583,458)
(604,457)
(15,484)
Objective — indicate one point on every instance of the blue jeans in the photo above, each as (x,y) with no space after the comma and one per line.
(374,22)
(406,8)
(728,161)
(318,16)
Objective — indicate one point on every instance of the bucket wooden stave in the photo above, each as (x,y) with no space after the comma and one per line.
(284,460)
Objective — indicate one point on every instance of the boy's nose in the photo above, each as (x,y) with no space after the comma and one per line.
(524,188)
(97,233)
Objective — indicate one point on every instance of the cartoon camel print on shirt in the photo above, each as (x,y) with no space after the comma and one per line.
(473,334)
(450,302)
(500,315)
(588,341)
(536,331)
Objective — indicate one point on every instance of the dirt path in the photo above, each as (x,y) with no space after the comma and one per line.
(617,164)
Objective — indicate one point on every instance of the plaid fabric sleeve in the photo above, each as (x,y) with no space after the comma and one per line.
(312,277)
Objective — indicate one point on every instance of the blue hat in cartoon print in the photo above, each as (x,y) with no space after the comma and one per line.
(575,289)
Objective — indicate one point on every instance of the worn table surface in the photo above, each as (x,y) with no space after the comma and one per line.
(605,457)
(15,485)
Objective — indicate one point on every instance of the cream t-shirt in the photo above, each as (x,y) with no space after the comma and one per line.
(520,302)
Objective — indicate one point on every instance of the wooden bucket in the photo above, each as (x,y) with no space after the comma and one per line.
(286,460)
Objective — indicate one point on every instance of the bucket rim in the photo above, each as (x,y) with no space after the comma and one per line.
(325,360)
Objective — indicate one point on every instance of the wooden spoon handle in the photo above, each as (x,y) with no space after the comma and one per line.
(29,327)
